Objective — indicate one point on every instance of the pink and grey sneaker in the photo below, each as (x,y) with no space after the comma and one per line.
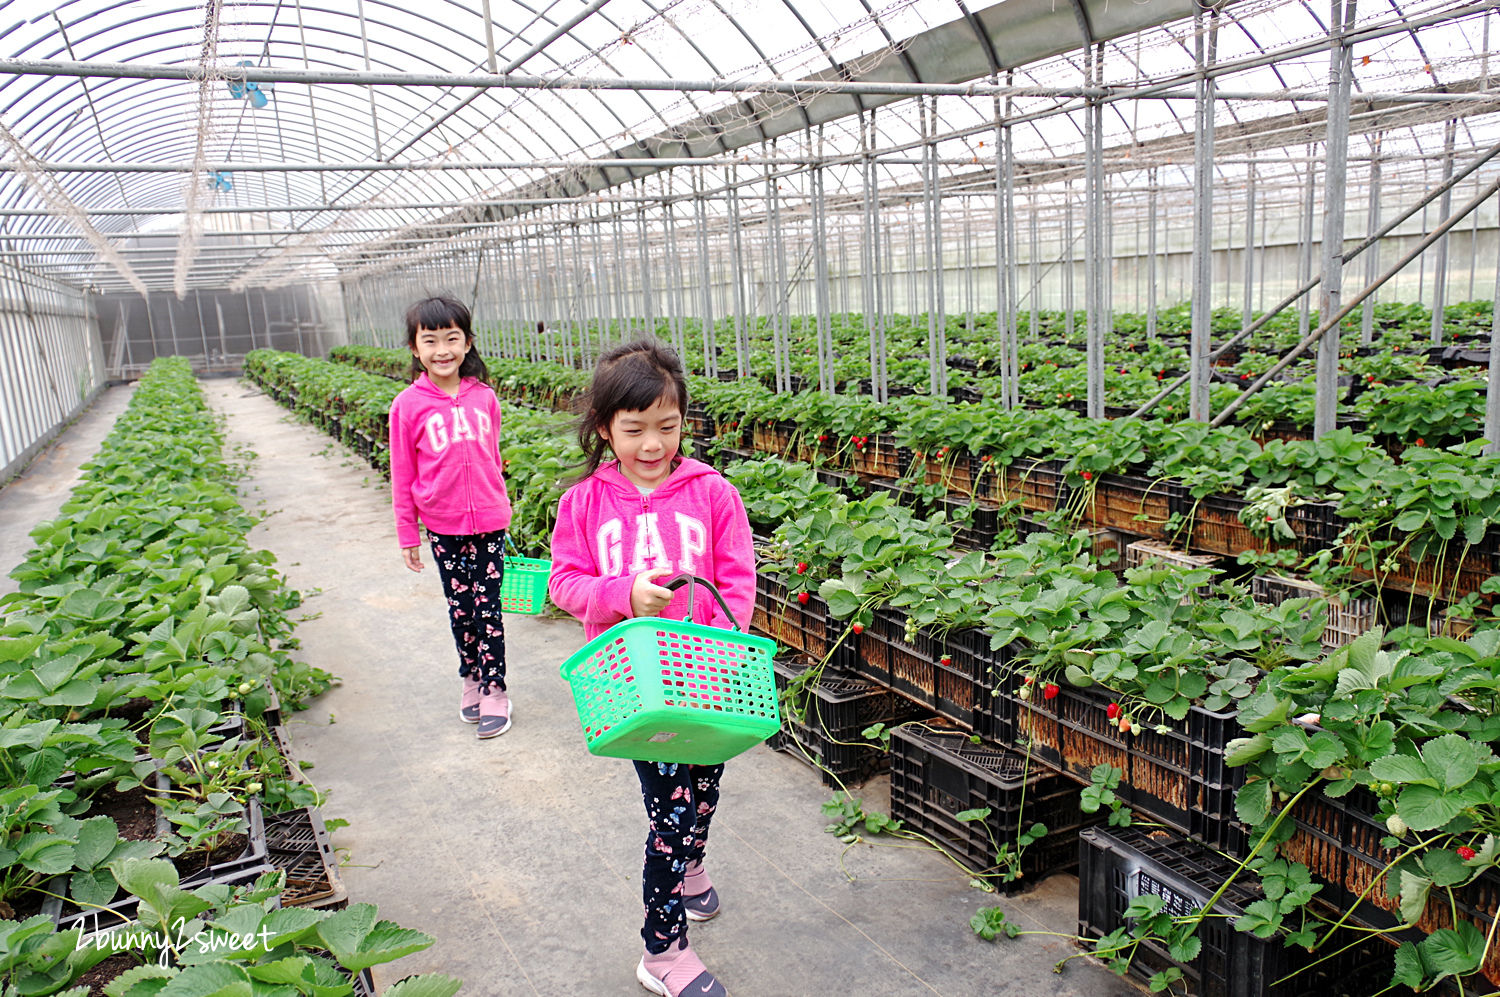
(700,901)
(678,972)
(468,706)
(494,714)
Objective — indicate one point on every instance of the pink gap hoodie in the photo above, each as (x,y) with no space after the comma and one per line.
(608,532)
(445,461)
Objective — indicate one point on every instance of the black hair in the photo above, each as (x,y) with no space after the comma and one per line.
(629,378)
(441,312)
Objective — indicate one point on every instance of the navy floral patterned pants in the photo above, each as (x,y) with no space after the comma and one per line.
(680,802)
(471,568)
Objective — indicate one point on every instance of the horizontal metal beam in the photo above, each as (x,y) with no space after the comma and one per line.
(518,81)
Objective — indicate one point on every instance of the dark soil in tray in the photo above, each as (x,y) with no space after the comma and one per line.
(100,976)
(232,847)
(132,711)
(133,812)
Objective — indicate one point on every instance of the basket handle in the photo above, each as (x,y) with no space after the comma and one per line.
(512,544)
(678,581)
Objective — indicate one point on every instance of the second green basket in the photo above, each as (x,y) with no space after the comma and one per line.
(523,587)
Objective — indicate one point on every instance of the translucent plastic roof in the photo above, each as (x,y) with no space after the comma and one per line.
(202,179)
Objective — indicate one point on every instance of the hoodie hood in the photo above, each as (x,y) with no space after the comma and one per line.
(608,533)
(683,474)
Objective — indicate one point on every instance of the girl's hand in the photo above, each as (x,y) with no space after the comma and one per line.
(413,557)
(646,597)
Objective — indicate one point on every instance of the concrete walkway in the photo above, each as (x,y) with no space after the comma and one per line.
(522,855)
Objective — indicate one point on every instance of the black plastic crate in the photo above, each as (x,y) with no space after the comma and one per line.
(298,845)
(938,773)
(982,528)
(957,689)
(840,708)
(1179,777)
(1118,864)
(802,626)
(1135,503)
(1339,839)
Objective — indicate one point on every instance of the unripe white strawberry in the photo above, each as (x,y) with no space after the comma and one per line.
(1396,825)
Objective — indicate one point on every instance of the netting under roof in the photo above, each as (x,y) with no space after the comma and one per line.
(119,180)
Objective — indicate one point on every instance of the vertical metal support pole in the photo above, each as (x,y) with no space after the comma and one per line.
(1151,195)
(820,273)
(776,282)
(648,299)
(1331,288)
(937,324)
(1305,241)
(737,277)
(1203,158)
(1492,392)
(871,283)
(1440,259)
(674,274)
(1003,260)
(706,299)
(1065,251)
(1096,224)
(1010,337)
(1034,270)
(1247,309)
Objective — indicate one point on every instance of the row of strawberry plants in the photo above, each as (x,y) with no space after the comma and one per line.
(1421,520)
(140,656)
(1052,375)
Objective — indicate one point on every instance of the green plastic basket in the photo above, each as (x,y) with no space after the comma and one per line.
(660,690)
(523,587)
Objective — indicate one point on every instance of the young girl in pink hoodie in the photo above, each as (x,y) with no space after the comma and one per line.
(446,471)
(628,524)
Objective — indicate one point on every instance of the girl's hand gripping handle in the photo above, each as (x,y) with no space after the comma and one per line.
(646,597)
(678,581)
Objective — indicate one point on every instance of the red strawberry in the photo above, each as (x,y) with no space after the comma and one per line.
(1088,475)
(1420,442)
(1050,690)
(802,597)
(1124,725)
(985,458)
(858,628)
(1465,852)
(822,438)
(801,567)
(945,660)
(1112,710)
